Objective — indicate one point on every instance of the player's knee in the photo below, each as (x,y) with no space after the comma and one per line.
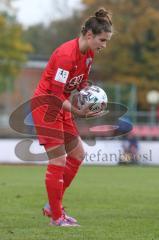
(80,155)
(58,161)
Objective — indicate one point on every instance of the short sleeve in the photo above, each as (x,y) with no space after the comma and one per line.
(60,73)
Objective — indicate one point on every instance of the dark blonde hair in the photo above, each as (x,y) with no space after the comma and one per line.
(101,21)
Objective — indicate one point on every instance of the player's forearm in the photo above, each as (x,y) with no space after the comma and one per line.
(69,107)
(84,112)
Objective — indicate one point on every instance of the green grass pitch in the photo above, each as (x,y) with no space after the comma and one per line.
(114,203)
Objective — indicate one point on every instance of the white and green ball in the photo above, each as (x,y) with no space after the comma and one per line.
(95,96)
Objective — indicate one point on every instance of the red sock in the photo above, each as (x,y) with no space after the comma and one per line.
(70,171)
(54,187)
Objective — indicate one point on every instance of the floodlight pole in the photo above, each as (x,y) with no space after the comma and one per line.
(153,100)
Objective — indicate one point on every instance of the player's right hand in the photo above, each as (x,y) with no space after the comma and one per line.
(85,112)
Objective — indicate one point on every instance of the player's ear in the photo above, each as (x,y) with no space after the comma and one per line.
(89,34)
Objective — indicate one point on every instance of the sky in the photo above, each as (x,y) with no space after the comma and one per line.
(35,11)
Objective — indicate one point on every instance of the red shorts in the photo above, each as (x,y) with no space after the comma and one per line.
(54,128)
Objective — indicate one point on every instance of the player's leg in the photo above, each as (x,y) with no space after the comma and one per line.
(74,149)
(75,156)
(72,144)
(54,178)
(54,185)
(50,134)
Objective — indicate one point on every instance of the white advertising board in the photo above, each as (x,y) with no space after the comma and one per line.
(102,152)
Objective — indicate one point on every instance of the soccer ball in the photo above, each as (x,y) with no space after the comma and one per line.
(93,95)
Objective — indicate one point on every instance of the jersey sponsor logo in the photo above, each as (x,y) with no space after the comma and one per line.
(74,82)
(61,75)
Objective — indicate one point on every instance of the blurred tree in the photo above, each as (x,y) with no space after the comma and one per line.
(41,38)
(131,56)
(13,50)
(45,39)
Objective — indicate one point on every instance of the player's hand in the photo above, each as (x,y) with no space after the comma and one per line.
(96,114)
(85,112)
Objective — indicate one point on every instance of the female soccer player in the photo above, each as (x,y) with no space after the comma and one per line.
(67,70)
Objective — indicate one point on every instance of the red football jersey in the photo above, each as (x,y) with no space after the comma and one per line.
(66,70)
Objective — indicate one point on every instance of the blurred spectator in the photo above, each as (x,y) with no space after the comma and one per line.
(157,114)
(130,150)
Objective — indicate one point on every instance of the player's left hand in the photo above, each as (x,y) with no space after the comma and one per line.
(96,114)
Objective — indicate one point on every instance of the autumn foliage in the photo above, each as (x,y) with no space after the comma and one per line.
(132,55)
(13,51)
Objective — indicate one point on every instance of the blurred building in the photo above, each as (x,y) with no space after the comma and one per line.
(24,86)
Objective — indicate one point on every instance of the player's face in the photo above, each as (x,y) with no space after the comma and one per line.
(98,42)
